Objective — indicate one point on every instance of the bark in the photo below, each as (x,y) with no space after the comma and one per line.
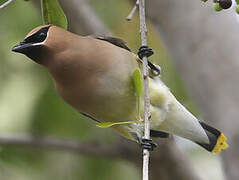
(203,44)
(167,161)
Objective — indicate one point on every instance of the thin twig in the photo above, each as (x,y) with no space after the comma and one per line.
(143,32)
(132,12)
(6,4)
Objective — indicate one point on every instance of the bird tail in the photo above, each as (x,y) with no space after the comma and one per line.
(217,140)
(182,123)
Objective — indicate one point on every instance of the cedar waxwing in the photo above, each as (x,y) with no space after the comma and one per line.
(94,76)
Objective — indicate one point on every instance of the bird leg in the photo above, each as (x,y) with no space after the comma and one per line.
(145,51)
(147,144)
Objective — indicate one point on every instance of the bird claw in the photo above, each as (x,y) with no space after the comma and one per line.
(145,51)
(147,144)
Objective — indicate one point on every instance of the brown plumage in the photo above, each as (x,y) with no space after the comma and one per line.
(83,75)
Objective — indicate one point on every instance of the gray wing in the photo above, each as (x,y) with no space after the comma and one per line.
(113,40)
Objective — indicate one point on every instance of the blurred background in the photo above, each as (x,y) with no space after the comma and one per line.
(196,48)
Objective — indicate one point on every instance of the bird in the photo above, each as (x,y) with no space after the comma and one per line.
(93,74)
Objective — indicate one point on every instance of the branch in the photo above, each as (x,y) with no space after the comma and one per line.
(52,143)
(143,32)
(123,150)
(132,12)
(6,4)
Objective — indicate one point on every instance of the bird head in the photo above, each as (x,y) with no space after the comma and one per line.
(33,44)
(41,43)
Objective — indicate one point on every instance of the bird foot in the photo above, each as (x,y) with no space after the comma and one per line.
(147,144)
(145,51)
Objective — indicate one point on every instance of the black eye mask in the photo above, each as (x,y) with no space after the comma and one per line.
(32,46)
(37,37)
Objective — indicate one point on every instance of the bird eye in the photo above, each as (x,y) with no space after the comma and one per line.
(42,34)
(42,37)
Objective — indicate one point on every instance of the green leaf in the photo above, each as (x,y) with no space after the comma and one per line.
(2,1)
(52,13)
(217,6)
(237,9)
(110,124)
(138,84)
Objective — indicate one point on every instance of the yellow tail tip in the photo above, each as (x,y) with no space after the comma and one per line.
(221,144)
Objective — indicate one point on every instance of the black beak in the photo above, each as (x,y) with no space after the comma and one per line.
(22,48)
(31,50)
